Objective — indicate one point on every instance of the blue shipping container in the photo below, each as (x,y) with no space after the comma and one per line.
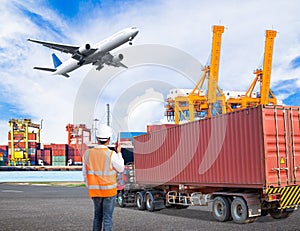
(130,135)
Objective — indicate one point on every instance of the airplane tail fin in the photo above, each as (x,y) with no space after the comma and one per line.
(56,60)
(56,63)
(50,69)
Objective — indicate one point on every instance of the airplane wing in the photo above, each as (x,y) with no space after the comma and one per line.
(57,46)
(69,49)
(110,60)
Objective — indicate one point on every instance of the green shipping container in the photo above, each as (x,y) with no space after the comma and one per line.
(59,159)
(58,163)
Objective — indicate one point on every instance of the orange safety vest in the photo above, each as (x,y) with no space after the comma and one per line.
(101,178)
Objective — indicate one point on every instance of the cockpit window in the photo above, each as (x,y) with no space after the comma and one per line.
(134,27)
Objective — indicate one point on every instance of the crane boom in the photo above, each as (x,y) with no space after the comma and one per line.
(214,63)
(265,88)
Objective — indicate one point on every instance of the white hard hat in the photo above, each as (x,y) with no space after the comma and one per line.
(104,132)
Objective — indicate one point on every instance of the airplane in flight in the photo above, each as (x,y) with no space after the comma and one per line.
(98,54)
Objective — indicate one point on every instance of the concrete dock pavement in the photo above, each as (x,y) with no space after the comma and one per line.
(42,207)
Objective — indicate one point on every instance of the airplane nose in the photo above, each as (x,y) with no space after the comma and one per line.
(135,31)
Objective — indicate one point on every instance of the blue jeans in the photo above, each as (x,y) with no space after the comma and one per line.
(103,213)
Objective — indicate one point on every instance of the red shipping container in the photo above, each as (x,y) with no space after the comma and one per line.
(77,159)
(76,149)
(59,146)
(4,148)
(125,139)
(44,155)
(59,149)
(20,136)
(58,152)
(251,148)
(47,157)
(22,144)
(47,146)
(157,127)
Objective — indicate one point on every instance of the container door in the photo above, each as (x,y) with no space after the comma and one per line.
(282,145)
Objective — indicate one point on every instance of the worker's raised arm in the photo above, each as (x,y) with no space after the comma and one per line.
(117,162)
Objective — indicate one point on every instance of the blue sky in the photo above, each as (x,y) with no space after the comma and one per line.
(185,25)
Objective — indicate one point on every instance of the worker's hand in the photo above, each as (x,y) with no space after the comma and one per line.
(118,147)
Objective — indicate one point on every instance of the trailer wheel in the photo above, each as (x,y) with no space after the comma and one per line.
(264,212)
(280,214)
(140,204)
(239,211)
(150,202)
(221,209)
(120,200)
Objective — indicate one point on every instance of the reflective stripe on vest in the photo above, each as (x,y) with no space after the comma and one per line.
(102,187)
(101,178)
(101,173)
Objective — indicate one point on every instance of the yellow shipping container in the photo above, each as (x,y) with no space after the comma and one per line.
(19,155)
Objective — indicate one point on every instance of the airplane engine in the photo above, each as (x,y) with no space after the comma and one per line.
(117,58)
(84,49)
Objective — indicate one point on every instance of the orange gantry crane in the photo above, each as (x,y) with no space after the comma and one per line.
(262,76)
(186,107)
(206,103)
(78,134)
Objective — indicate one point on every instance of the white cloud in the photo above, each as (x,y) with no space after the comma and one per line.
(4,128)
(185,25)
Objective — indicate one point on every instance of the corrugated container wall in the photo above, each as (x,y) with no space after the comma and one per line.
(157,127)
(75,152)
(239,149)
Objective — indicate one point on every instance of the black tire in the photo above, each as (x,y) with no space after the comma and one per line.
(150,202)
(221,209)
(264,212)
(120,200)
(239,211)
(139,201)
(280,214)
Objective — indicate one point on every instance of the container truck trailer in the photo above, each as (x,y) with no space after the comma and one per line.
(247,163)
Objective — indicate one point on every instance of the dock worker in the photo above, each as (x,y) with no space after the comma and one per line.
(100,166)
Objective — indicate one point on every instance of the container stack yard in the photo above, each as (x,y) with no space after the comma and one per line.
(25,149)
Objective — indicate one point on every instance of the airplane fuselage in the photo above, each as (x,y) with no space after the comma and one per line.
(102,47)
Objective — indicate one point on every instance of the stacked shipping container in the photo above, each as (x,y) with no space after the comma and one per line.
(59,154)
(45,156)
(50,154)
(3,155)
(75,152)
